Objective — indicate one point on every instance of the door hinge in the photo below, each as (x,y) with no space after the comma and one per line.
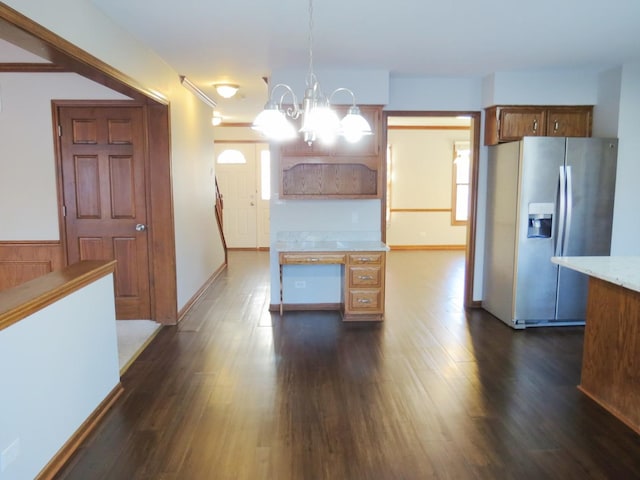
(59,130)
(64,210)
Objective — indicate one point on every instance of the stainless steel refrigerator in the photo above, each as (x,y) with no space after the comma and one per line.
(546,197)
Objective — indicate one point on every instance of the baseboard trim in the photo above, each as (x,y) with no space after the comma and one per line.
(192,301)
(248,249)
(428,247)
(296,307)
(69,448)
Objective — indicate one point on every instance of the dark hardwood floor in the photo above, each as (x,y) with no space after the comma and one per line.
(235,392)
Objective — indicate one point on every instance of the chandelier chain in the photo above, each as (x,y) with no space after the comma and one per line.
(310,74)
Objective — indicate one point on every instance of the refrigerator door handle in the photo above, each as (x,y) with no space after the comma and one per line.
(569,210)
(561,211)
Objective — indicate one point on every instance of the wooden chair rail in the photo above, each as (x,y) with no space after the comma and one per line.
(25,299)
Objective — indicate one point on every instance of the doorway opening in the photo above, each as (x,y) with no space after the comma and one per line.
(431,177)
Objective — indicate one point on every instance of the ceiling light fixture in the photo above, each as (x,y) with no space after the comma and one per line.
(226,90)
(216,119)
(189,85)
(319,120)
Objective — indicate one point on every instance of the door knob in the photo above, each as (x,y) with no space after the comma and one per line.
(141,227)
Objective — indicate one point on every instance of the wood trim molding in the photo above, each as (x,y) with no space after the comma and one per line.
(194,299)
(299,307)
(470,258)
(428,127)
(420,210)
(231,142)
(21,261)
(19,302)
(32,68)
(427,247)
(238,124)
(89,425)
(162,244)
(33,37)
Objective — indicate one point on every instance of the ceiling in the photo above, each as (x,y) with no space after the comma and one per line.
(242,41)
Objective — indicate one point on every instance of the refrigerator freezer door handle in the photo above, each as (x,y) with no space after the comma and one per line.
(569,209)
(561,211)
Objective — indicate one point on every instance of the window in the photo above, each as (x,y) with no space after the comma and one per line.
(461,166)
(231,156)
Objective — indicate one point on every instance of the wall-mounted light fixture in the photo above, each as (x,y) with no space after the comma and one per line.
(226,90)
(189,85)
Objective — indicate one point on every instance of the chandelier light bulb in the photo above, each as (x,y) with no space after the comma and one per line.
(319,121)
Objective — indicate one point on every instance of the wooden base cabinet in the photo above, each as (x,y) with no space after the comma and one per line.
(509,123)
(364,278)
(364,286)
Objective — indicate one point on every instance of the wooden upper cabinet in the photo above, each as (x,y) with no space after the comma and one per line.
(516,123)
(340,170)
(367,146)
(569,122)
(509,123)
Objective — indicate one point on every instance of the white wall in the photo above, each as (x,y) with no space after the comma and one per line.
(422,178)
(199,250)
(607,109)
(56,366)
(547,87)
(27,160)
(626,221)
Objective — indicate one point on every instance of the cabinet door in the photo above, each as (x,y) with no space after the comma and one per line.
(516,123)
(569,123)
(368,146)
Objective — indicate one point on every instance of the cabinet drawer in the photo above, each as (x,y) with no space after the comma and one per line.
(365,276)
(365,258)
(365,300)
(305,258)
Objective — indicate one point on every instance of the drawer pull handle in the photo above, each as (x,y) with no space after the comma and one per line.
(365,259)
(365,277)
(364,300)
(314,259)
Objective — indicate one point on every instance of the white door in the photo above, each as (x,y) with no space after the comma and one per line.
(245,212)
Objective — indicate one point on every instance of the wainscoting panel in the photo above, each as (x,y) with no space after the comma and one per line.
(25,260)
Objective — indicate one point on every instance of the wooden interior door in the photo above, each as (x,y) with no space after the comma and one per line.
(103,176)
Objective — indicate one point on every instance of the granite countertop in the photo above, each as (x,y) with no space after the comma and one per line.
(623,271)
(329,241)
(330,246)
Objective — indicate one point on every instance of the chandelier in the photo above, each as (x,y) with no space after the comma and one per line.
(319,121)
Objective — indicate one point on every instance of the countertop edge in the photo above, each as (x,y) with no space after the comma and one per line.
(622,271)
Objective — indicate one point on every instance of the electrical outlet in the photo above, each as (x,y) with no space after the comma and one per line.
(300,284)
(9,455)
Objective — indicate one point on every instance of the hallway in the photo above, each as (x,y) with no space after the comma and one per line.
(235,392)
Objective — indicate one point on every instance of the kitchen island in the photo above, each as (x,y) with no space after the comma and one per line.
(611,356)
(363,273)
